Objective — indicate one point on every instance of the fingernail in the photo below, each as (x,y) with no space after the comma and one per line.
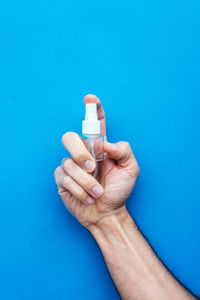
(90,200)
(114,146)
(97,190)
(89,165)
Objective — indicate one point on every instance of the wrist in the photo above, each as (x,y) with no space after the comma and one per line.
(113,223)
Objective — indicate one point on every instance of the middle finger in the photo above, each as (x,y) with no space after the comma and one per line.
(85,180)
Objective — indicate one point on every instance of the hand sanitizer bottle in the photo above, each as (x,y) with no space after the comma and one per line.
(93,139)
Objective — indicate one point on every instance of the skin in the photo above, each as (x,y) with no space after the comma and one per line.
(134,267)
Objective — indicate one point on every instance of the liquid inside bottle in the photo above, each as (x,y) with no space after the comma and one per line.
(94,144)
(92,138)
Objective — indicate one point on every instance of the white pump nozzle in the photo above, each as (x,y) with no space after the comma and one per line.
(91,124)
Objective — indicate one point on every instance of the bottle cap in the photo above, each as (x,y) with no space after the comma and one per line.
(91,124)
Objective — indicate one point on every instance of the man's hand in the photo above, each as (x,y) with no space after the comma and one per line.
(100,207)
(87,199)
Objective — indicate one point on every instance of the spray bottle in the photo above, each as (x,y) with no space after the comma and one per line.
(93,139)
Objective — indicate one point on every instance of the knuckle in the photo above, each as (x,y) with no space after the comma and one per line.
(82,195)
(67,163)
(125,149)
(135,170)
(88,185)
(66,181)
(126,145)
(57,171)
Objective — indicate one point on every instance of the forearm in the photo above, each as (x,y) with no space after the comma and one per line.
(135,269)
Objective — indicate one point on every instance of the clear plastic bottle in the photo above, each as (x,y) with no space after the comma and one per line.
(93,139)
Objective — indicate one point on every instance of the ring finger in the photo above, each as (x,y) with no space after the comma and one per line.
(65,182)
(85,180)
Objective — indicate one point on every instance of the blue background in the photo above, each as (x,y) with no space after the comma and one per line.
(142,59)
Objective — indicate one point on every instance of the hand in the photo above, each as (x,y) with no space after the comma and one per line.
(87,199)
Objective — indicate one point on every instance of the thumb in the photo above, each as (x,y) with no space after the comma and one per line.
(121,152)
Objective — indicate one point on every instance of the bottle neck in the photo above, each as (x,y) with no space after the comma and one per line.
(91,135)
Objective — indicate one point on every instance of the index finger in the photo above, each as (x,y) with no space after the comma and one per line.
(100,111)
(80,154)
